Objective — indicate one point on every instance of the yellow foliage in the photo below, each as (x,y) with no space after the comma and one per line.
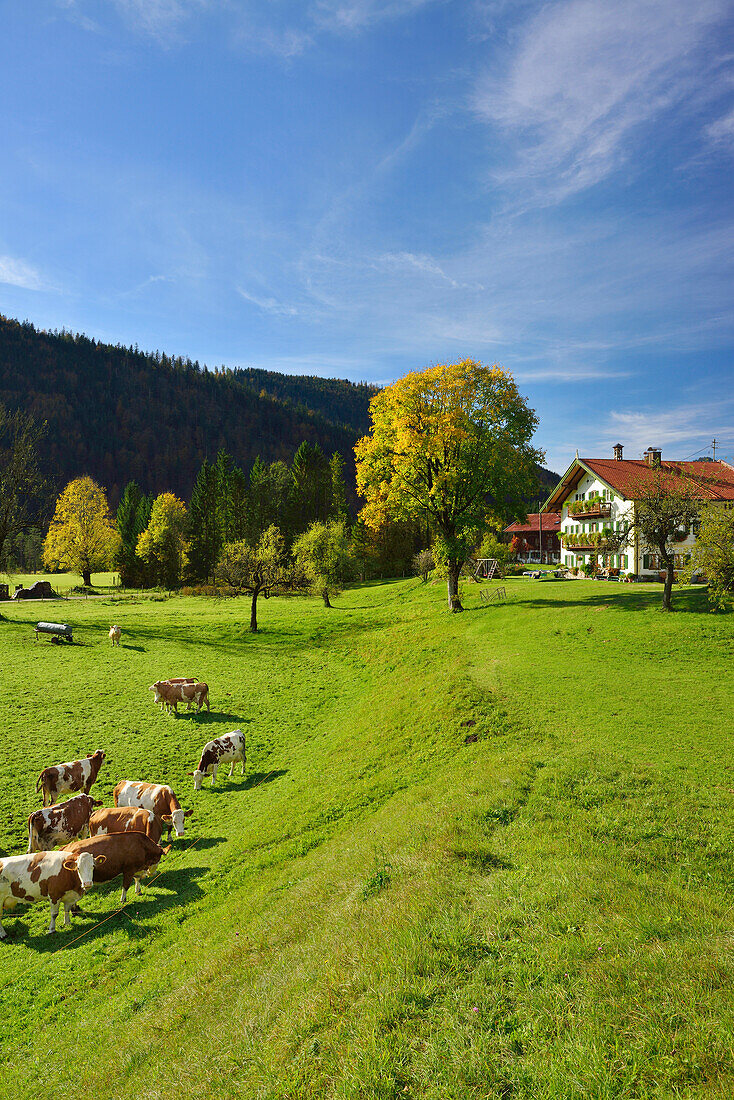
(446,442)
(82,536)
(163,542)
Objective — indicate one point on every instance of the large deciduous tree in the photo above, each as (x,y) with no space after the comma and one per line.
(163,544)
(82,535)
(24,495)
(447,445)
(666,506)
(258,569)
(324,557)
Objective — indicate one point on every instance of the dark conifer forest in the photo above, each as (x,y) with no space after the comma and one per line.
(120,414)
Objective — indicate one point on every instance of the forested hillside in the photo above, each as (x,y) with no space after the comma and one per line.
(120,414)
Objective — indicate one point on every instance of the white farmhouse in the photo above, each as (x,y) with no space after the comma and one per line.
(597,495)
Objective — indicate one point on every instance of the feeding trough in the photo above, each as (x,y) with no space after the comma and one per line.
(58,631)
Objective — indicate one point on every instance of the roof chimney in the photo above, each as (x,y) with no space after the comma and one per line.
(652,456)
(618,451)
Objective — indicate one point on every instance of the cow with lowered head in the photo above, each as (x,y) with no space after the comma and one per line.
(222,750)
(156,797)
(76,775)
(57,824)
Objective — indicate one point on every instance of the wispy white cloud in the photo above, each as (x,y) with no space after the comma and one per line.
(584,77)
(721,131)
(356,15)
(163,20)
(15,272)
(269,305)
(686,428)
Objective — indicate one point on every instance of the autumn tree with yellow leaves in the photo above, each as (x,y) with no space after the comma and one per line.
(82,536)
(163,544)
(449,444)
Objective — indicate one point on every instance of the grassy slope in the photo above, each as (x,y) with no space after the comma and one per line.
(381,910)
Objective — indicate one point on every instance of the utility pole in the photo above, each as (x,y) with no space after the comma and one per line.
(713,444)
(540,535)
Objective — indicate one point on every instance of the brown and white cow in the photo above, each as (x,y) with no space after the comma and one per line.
(174,680)
(222,750)
(126,819)
(56,824)
(169,693)
(132,855)
(115,634)
(155,797)
(76,775)
(59,876)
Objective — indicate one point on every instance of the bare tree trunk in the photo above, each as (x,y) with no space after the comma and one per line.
(253,612)
(454,568)
(668,586)
(87,577)
(325,594)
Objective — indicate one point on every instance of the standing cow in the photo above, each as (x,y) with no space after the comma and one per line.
(115,635)
(126,819)
(132,855)
(156,797)
(59,876)
(169,694)
(77,775)
(222,750)
(54,824)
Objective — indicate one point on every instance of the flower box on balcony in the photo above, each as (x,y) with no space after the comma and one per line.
(590,509)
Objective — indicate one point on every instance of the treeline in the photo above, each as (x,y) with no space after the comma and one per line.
(121,414)
(162,541)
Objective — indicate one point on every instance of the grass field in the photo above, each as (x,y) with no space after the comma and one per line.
(379,909)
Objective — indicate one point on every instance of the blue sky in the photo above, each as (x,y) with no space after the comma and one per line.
(356,188)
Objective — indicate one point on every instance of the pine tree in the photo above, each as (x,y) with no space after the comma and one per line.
(205,539)
(338,488)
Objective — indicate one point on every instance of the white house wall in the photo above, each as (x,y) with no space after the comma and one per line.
(622,512)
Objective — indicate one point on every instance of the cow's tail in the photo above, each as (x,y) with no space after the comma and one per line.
(31,833)
(39,781)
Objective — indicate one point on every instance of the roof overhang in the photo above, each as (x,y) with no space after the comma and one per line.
(569,481)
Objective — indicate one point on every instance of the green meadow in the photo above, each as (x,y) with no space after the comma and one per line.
(380,909)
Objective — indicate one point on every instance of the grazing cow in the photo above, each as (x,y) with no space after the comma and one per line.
(222,750)
(132,855)
(155,797)
(58,876)
(170,694)
(54,824)
(126,819)
(77,775)
(115,635)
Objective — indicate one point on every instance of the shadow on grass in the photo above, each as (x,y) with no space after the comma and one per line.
(137,648)
(627,599)
(257,778)
(208,842)
(181,883)
(205,717)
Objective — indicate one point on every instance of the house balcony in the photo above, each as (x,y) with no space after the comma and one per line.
(590,509)
(593,543)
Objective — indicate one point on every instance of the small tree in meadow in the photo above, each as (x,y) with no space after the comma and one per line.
(665,508)
(82,535)
(258,569)
(324,556)
(423,563)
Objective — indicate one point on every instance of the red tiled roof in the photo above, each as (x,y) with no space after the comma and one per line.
(713,480)
(551,524)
